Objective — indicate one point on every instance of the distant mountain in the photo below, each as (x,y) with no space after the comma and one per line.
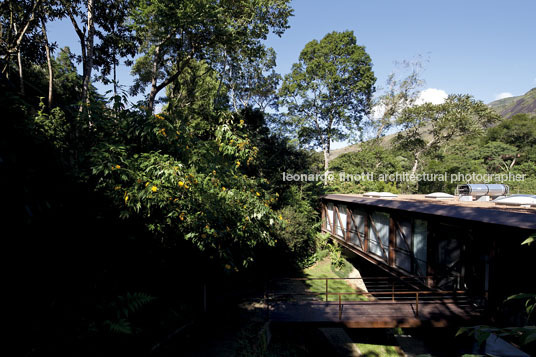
(508,107)
(385,142)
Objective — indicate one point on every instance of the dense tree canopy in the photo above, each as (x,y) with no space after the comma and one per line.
(173,34)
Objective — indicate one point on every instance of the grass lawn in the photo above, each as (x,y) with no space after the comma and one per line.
(377,350)
(323,269)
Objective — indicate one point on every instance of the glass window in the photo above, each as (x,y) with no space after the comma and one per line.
(449,255)
(419,245)
(404,245)
(379,234)
(357,228)
(341,224)
(329,217)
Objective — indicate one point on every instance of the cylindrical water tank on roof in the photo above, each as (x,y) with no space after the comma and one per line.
(482,189)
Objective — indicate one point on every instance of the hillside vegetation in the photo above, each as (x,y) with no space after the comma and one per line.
(523,104)
(508,148)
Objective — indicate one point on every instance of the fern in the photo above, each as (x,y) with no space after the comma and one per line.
(121,326)
(123,307)
(132,303)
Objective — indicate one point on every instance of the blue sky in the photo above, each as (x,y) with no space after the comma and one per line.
(483,48)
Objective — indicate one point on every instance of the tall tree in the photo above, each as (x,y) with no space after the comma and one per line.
(174,33)
(430,127)
(49,62)
(86,35)
(328,92)
(16,20)
(49,11)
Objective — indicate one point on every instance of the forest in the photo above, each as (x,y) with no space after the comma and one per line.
(121,212)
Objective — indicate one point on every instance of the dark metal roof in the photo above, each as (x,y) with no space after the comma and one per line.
(525,220)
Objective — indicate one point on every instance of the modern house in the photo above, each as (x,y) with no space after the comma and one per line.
(442,240)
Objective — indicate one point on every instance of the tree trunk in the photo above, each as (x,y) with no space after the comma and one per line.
(90,47)
(512,164)
(155,88)
(416,158)
(418,153)
(49,64)
(14,47)
(327,146)
(19,64)
(21,76)
(5,71)
(88,63)
(380,131)
(414,169)
(415,165)
(152,98)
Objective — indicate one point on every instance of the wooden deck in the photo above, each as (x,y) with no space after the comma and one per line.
(375,314)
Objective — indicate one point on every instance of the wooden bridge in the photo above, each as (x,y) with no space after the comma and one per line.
(390,303)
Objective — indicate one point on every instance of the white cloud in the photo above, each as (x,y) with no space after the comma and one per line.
(378,111)
(503,95)
(432,95)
